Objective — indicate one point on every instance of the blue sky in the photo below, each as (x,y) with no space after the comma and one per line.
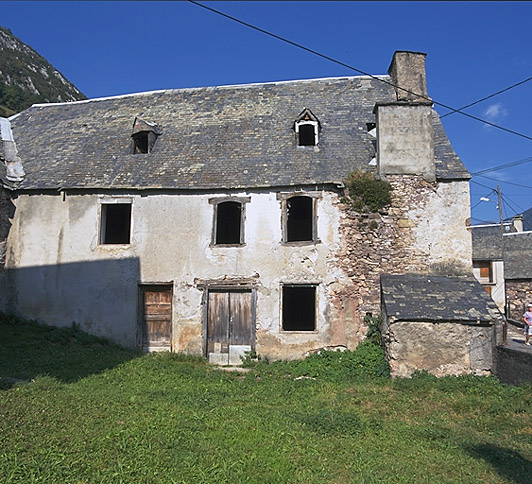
(473,49)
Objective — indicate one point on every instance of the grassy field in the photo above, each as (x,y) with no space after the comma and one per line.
(74,409)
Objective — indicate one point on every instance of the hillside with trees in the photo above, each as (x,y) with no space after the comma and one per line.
(27,78)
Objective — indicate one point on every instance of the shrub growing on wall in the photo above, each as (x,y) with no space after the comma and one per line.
(366,193)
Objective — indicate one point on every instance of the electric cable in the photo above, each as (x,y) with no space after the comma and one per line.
(500,167)
(343,64)
(489,97)
(505,182)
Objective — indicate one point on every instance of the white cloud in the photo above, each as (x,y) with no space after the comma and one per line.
(495,112)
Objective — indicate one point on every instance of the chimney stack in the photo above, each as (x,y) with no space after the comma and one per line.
(407,71)
(405,134)
(518,223)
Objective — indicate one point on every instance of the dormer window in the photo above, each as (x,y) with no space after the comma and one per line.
(141,142)
(307,128)
(144,136)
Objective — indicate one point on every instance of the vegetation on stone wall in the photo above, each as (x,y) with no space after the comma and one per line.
(366,193)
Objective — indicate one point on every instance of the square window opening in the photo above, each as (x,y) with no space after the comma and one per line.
(299,308)
(116,223)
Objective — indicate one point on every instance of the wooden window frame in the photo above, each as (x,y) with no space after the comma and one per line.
(283,198)
(483,266)
(217,201)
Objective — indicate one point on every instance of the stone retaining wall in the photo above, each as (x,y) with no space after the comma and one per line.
(518,295)
(513,366)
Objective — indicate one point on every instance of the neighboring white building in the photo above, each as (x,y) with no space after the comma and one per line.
(502,263)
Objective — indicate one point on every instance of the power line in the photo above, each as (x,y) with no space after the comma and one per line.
(500,167)
(343,64)
(506,182)
(484,186)
(481,200)
(488,97)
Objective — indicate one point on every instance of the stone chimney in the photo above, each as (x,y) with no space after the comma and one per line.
(407,71)
(405,134)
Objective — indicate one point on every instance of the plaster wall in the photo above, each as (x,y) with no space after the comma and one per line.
(405,140)
(60,273)
(438,215)
(443,348)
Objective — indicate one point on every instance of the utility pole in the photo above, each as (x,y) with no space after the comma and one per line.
(499,205)
(504,316)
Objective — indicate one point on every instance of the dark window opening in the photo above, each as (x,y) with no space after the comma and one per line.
(116,223)
(299,308)
(228,223)
(307,136)
(299,219)
(141,142)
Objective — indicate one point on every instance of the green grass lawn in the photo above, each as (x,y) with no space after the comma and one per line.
(74,409)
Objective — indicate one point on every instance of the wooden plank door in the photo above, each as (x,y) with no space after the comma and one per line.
(156,318)
(229,325)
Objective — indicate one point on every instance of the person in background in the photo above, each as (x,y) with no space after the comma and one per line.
(527,318)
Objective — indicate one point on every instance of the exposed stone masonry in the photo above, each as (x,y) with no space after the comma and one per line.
(375,244)
(5,209)
(518,295)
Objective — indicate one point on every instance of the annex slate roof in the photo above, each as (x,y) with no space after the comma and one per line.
(416,298)
(228,137)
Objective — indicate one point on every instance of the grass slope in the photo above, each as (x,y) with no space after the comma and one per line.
(78,410)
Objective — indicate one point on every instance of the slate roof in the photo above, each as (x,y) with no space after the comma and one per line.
(514,248)
(229,137)
(527,219)
(518,255)
(487,242)
(413,297)
(3,173)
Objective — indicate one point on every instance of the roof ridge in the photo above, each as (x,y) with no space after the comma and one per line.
(224,86)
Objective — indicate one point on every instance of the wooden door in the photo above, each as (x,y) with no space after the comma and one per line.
(156,318)
(229,325)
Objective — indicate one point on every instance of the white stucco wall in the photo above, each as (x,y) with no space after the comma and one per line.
(59,273)
(498,293)
(440,226)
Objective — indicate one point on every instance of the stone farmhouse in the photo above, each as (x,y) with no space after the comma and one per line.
(214,221)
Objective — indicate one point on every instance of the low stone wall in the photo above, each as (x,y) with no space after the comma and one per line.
(513,366)
(518,295)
